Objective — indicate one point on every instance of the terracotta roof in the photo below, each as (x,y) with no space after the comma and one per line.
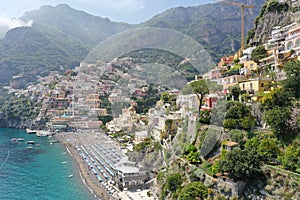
(231,143)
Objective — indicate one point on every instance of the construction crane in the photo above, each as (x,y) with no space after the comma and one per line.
(243,6)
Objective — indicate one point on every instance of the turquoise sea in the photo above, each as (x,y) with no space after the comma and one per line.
(37,173)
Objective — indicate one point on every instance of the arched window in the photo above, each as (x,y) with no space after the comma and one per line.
(297,43)
(289,46)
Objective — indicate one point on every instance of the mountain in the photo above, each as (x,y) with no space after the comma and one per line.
(215,26)
(26,50)
(61,37)
(88,28)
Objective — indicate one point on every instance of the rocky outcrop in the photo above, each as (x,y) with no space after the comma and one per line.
(19,82)
(14,123)
(264,26)
(274,14)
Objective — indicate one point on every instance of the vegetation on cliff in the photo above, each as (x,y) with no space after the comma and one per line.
(17,111)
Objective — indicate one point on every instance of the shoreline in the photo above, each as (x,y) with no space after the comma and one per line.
(96,191)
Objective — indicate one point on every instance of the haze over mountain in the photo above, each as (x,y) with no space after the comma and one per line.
(60,37)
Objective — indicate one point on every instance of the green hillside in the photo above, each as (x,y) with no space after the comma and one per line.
(88,28)
(215,26)
(61,37)
(25,50)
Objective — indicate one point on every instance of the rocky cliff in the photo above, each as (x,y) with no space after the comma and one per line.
(275,13)
(14,122)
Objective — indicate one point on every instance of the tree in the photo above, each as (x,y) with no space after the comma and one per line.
(205,116)
(259,53)
(277,97)
(168,98)
(250,35)
(194,157)
(291,157)
(189,148)
(239,116)
(174,182)
(277,118)
(268,149)
(199,88)
(230,123)
(213,86)
(292,82)
(193,190)
(105,119)
(235,92)
(241,164)
(238,136)
(236,110)
(247,122)
(191,153)
(252,144)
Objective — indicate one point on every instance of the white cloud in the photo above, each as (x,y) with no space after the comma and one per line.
(7,23)
(13,23)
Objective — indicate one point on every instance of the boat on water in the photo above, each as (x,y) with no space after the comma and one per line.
(43,133)
(30,147)
(20,139)
(70,176)
(64,162)
(29,131)
(53,141)
(30,142)
(14,139)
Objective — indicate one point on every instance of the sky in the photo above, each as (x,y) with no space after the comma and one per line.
(131,11)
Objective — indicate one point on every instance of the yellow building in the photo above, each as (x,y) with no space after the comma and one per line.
(254,87)
(250,65)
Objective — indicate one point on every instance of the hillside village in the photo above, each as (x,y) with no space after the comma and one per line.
(180,143)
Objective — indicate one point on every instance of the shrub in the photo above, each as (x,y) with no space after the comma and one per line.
(193,190)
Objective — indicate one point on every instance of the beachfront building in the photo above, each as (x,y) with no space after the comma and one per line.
(128,176)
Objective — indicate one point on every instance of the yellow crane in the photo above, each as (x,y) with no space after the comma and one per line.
(243,6)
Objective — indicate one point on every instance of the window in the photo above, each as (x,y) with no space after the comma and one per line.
(289,46)
(251,86)
(262,84)
(297,43)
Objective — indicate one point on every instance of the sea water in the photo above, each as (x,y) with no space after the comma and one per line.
(40,171)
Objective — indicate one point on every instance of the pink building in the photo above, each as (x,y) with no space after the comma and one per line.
(292,41)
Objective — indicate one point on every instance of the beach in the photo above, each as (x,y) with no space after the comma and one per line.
(73,140)
(92,148)
(86,177)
